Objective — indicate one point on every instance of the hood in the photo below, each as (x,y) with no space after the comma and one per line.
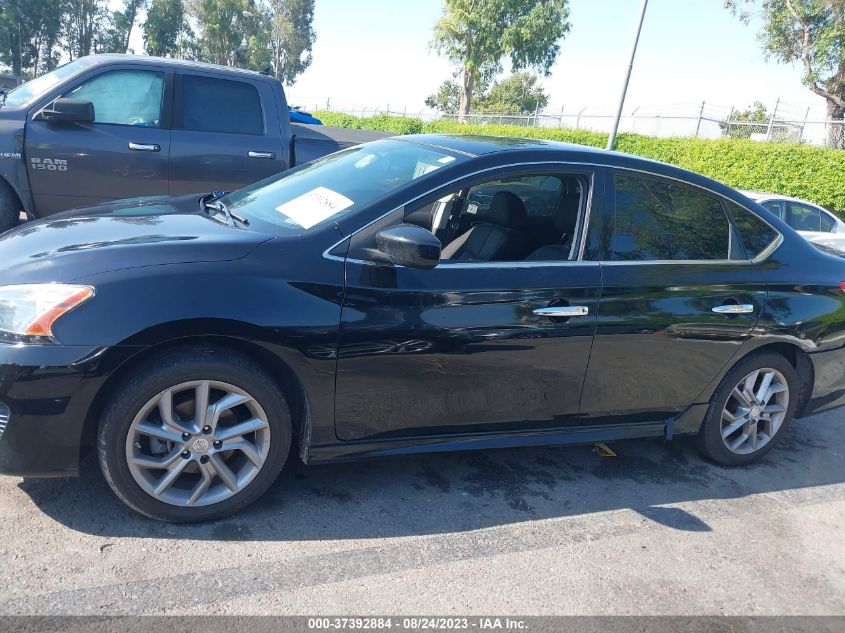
(119,235)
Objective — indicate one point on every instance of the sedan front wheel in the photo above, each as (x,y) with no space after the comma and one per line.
(195,435)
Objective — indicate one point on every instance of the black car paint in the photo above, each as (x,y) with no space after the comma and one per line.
(381,360)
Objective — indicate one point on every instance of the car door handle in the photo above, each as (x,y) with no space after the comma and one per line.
(734,308)
(562,311)
(262,155)
(144,147)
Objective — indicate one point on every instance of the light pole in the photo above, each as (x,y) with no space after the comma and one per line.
(611,141)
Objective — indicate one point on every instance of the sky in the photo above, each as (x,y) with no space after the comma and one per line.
(375,54)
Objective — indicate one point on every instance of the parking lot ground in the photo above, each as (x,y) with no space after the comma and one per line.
(655,530)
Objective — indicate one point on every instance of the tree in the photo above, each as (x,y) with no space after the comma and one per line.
(476,35)
(292,37)
(115,36)
(811,32)
(233,32)
(754,114)
(521,93)
(165,28)
(84,23)
(447,99)
(29,34)
(518,94)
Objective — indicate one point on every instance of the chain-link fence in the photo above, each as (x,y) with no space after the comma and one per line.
(781,122)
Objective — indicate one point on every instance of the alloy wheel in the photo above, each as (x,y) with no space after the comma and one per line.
(754,411)
(198,443)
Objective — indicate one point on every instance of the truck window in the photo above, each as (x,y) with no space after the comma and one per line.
(220,105)
(124,97)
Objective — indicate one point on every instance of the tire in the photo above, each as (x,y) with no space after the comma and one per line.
(10,208)
(195,488)
(733,414)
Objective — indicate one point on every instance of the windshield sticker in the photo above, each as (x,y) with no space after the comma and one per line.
(446,160)
(315,206)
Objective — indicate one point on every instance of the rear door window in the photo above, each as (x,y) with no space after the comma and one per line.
(804,218)
(220,105)
(659,220)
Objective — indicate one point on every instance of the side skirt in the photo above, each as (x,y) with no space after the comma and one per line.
(343,451)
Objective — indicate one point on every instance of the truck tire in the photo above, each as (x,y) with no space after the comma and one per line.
(10,208)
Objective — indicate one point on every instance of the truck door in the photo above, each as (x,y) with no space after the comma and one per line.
(226,134)
(122,154)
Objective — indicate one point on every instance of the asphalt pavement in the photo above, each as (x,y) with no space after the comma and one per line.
(559,530)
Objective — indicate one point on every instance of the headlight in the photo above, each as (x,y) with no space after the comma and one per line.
(29,311)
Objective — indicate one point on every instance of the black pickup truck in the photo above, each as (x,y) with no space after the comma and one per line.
(105,127)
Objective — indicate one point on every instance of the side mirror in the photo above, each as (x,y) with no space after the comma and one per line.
(409,245)
(69,110)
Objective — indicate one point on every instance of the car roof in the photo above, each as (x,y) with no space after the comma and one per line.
(479,145)
(765,195)
(175,63)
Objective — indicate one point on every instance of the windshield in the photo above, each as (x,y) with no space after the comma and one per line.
(336,185)
(31,90)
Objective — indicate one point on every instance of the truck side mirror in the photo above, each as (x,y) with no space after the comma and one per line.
(70,111)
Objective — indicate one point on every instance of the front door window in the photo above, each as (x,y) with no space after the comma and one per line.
(124,97)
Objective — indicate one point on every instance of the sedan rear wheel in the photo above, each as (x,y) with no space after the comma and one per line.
(755,410)
(750,409)
(194,435)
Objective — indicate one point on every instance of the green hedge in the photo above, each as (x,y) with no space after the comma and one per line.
(804,171)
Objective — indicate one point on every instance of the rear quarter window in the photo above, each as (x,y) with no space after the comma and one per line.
(755,234)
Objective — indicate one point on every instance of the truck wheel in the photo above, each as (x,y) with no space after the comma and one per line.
(10,208)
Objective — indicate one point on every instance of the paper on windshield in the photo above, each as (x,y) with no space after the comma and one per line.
(315,206)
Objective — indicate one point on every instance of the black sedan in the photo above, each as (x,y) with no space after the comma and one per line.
(416,294)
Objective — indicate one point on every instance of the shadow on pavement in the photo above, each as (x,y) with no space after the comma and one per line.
(446,493)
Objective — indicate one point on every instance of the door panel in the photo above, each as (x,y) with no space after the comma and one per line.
(79,165)
(226,134)
(659,342)
(124,153)
(458,348)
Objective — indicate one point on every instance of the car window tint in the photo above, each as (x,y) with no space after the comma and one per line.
(804,218)
(755,234)
(539,194)
(827,223)
(220,105)
(656,220)
(124,97)
(775,206)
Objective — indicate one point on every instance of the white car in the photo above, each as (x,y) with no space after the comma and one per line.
(810,220)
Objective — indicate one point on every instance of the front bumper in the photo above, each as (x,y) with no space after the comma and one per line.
(49,390)
(829,381)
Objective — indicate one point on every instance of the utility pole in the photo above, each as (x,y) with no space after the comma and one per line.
(772,120)
(700,117)
(611,141)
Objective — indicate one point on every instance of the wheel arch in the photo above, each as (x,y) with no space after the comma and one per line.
(282,374)
(5,181)
(793,352)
